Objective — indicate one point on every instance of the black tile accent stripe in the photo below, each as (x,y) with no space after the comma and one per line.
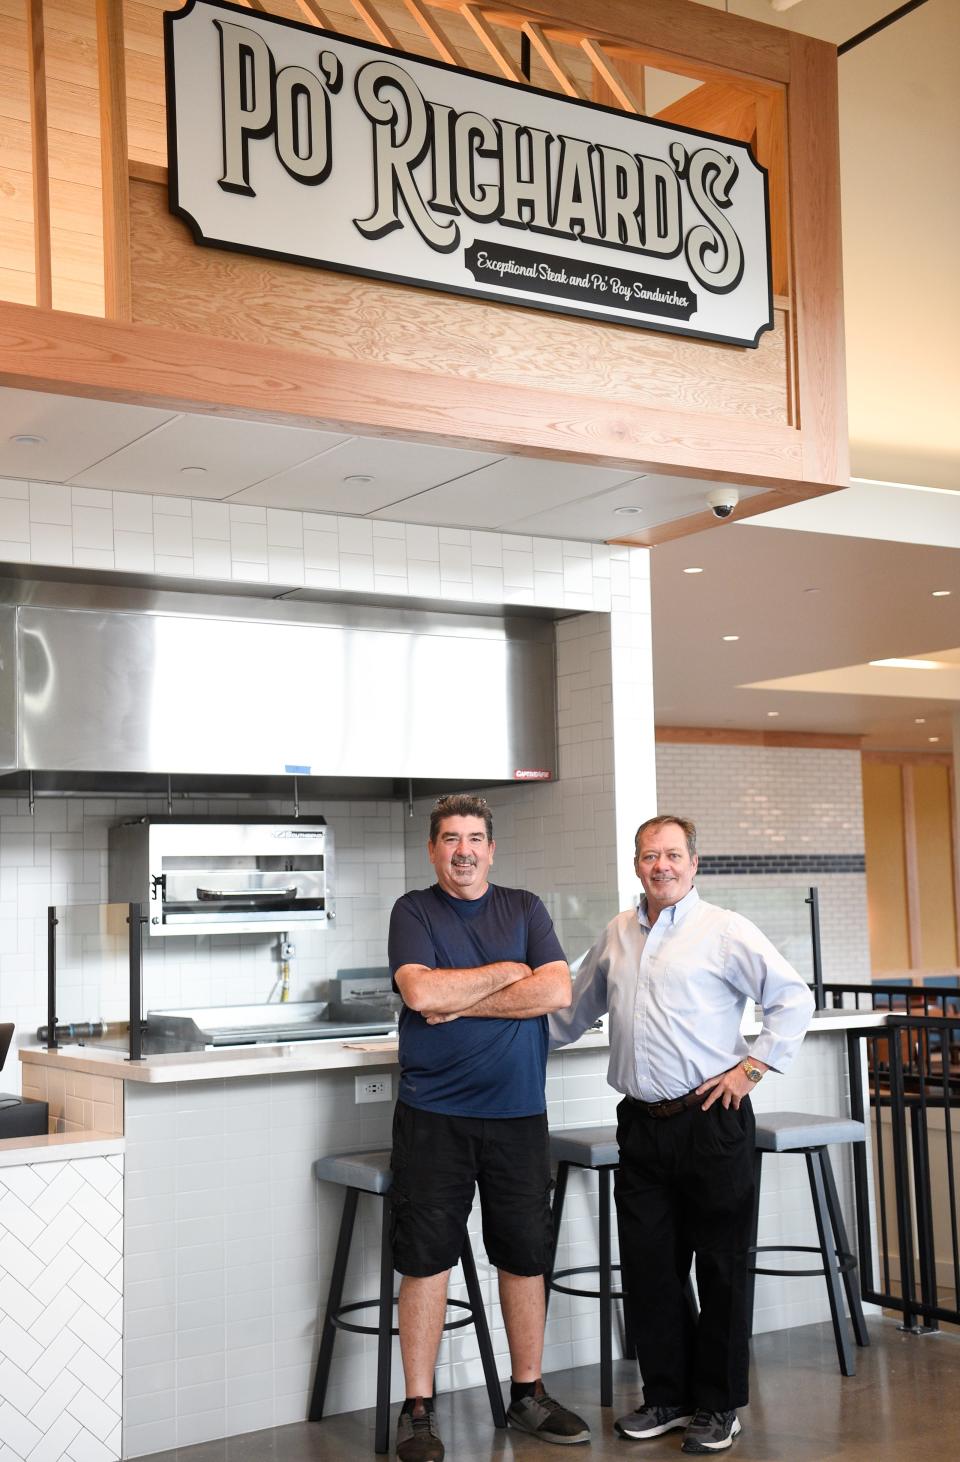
(725,864)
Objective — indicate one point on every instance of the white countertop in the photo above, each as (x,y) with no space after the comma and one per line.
(57,1147)
(267,1060)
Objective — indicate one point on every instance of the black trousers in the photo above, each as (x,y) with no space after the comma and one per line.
(685,1187)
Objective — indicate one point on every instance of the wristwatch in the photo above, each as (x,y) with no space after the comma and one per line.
(754,1073)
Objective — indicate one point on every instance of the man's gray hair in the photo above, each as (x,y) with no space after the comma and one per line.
(689,830)
(460,804)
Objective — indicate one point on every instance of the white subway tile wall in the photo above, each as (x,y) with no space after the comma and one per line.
(59,856)
(55,524)
(769,800)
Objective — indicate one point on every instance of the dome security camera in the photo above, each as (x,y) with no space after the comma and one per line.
(722,501)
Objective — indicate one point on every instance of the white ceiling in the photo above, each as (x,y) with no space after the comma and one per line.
(810,611)
(98,444)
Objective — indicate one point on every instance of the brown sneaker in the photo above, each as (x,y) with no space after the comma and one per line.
(545,1418)
(417,1437)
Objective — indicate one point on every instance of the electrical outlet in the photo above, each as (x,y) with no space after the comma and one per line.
(373,1088)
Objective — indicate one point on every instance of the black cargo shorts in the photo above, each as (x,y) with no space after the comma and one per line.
(437,1163)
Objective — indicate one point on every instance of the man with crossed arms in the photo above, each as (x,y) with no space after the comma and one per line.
(479,967)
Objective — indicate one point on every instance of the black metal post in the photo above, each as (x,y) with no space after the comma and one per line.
(901,1183)
(135,919)
(924,1205)
(52,922)
(861,1185)
(813,899)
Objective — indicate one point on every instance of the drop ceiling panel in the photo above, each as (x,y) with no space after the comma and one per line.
(233,454)
(660,499)
(396,470)
(77,432)
(506,489)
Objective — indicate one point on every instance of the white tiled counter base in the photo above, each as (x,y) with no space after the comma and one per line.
(230,1242)
(61,1310)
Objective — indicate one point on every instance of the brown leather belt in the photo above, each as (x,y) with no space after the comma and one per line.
(671,1108)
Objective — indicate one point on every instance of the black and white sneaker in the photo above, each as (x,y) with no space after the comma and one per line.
(710,1431)
(652,1421)
(545,1418)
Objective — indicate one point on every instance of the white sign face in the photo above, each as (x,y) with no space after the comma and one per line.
(299,144)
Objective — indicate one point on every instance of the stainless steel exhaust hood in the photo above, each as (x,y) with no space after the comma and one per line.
(96,679)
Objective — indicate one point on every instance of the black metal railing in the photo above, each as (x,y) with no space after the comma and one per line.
(908,1073)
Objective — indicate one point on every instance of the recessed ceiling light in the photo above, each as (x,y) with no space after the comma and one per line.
(910,664)
(773,713)
(193,471)
(920,720)
(940,593)
(358,477)
(28,439)
(627,512)
(933,738)
(730,638)
(693,571)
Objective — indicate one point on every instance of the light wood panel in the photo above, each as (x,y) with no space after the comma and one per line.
(727,736)
(349,317)
(886,867)
(911,876)
(40,172)
(113,154)
(51,351)
(934,862)
(814,182)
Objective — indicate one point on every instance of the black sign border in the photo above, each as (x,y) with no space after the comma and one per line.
(176,208)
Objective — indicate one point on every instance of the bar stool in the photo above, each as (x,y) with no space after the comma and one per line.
(369,1172)
(593,1148)
(799,1132)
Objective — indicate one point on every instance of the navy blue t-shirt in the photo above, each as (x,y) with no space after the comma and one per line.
(475,1066)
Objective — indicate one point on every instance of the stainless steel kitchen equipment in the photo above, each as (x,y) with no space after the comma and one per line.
(216,1026)
(224,875)
(98,681)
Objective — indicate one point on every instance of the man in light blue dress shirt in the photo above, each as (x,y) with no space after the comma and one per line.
(676,975)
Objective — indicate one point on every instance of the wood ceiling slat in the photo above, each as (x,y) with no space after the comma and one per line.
(311,10)
(481,28)
(629,98)
(378,28)
(551,59)
(428,25)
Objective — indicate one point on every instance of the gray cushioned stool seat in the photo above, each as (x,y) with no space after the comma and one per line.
(788,1131)
(587,1147)
(368,1171)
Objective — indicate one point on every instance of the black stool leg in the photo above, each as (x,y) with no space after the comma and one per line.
(556,1214)
(840,1234)
(329,1332)
(754,1230)
(814,1157)
(385,1336)
(468,1264)
(606,1302)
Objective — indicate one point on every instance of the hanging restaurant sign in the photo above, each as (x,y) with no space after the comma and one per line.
(299,144)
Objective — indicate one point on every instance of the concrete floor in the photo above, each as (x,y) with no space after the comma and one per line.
(902,1402)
